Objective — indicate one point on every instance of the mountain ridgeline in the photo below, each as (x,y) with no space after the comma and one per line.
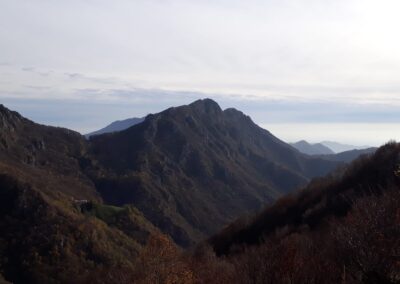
(72,205)
(116,126)
(339,147)
(192,169)
(312,149)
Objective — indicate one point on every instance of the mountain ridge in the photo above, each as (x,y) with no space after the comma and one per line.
(116,126)
(312,149)
(199,147)
(340,147)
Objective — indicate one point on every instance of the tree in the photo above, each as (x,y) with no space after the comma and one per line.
(162,262)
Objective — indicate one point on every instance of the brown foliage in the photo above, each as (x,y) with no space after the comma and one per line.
(323,199)
(208,268)
(363,247)
(161,262)
(368,241)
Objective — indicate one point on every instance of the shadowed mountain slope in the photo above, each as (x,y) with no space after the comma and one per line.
(38,153)
(318,204)
(48,229)
(194,168)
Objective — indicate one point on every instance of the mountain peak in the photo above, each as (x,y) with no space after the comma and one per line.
(233,111)
(237,115)
(207,105)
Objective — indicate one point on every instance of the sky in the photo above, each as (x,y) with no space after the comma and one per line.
(303,69)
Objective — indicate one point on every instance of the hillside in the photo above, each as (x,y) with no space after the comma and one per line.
(47,234)
(45,239)
(35,153)
(199,167)
(312,149)
(343,227)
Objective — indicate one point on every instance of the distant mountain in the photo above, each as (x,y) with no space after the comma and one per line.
(117,126)
(312,149)
(348,156)
(339,147)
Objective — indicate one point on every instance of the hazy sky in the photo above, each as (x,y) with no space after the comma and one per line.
(310,69)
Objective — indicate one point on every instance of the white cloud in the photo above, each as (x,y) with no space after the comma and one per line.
(215,46)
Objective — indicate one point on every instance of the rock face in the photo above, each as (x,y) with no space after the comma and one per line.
(8,119)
